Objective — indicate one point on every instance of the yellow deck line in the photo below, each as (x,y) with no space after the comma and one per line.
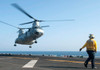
(68,61)
(20,57)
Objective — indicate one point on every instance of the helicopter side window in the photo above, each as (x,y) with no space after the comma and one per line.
(29,30)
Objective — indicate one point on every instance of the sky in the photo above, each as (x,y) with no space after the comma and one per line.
(60,36)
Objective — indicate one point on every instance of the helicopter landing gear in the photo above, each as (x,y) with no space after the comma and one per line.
(35,41)
(15,45)
(30,46)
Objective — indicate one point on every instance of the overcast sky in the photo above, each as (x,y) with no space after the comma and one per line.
(60,36)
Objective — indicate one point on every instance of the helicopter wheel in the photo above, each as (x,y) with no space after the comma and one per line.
(30,46)
(15,45)
(35,41)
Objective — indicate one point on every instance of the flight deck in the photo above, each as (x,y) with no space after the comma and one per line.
(23,62)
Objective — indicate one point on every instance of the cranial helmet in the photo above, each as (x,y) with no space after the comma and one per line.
(91,36)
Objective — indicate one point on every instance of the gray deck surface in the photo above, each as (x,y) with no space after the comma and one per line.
(44,63)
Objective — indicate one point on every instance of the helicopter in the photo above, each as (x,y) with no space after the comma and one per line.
(30,37)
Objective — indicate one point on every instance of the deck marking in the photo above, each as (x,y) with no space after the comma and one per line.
(69,61)
(30,64)
(20,57)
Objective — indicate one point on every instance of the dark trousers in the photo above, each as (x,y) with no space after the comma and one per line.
(91,57)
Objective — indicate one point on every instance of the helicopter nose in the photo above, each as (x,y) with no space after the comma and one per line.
(39,32)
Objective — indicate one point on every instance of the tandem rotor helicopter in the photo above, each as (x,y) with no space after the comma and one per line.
(30,37)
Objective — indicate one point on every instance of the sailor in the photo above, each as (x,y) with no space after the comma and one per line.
(91,47)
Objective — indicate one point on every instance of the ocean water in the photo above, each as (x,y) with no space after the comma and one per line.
(56,53)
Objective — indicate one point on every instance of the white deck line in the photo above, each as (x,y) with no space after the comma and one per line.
(30,64)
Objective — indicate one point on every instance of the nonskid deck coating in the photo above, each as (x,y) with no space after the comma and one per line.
(44,63)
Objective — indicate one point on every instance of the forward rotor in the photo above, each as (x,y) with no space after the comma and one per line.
(36,20)
(47,21)
(22,10)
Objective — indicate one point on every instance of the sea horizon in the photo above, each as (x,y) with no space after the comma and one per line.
(48,53)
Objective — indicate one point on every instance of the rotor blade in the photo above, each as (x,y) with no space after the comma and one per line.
(19,8)
(57,20)
(27,23)
(8,24)
(48,21)
(24,28)
(45,26)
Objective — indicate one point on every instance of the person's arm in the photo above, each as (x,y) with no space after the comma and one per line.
(83,46)
(95,46)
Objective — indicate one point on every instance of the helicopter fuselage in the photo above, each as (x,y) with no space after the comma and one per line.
(30,36)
